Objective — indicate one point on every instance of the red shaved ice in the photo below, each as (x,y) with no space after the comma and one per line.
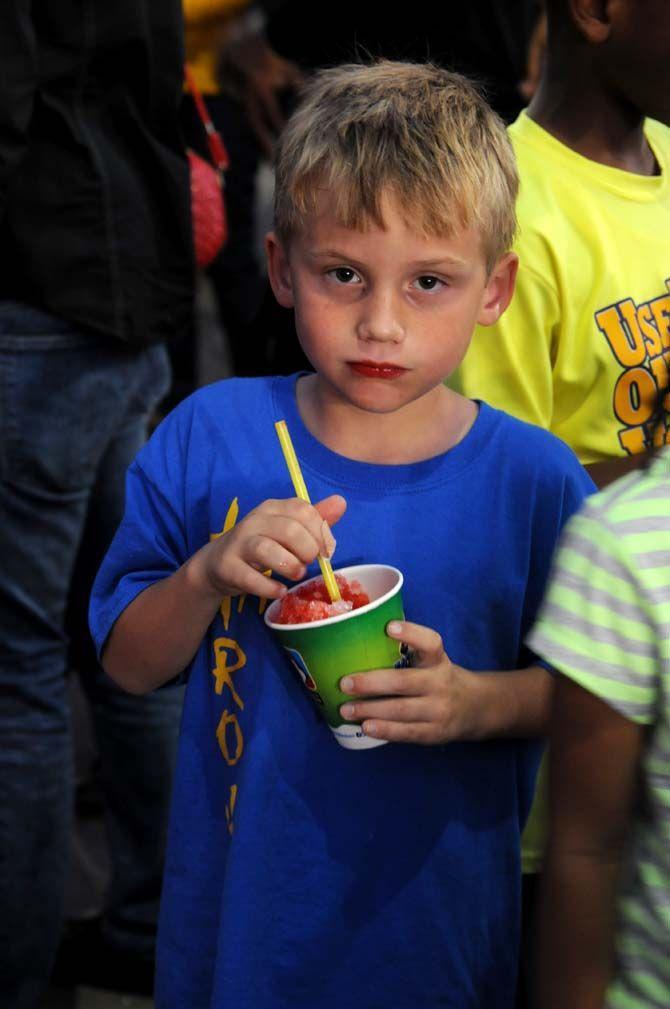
(311,601)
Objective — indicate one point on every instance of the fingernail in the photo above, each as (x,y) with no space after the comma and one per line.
(370,728)
(347,710)
(394,627)
(329,540)
(346,685)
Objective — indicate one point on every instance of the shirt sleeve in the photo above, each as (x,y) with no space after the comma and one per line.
(509,365)
(151,542)
(595,626)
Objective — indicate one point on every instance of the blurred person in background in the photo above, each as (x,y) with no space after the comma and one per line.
(605,922)
(97,273)
(246,86)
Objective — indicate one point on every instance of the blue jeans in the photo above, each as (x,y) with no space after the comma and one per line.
(73,413)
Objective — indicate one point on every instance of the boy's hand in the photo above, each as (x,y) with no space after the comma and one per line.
(282,536)
(432,702)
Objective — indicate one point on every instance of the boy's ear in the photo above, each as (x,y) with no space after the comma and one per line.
(592,19)
(499,289)
(279,271)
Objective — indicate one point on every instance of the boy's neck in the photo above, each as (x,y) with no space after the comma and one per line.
(577,109)
(420,430)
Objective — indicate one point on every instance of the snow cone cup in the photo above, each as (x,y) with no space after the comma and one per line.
(324,651)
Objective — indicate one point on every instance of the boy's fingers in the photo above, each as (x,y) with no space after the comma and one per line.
(385,683)
(331,508)
(264,552)
(420,733)
(248,580)
(289,533)
(317,519)
(425,643)
(305,515)
(392,709)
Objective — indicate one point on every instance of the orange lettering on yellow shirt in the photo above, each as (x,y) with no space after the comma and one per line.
(620,326)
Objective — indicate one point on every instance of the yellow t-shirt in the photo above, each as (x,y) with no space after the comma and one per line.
(584,346)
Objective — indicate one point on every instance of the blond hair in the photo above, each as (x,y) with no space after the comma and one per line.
(421,134)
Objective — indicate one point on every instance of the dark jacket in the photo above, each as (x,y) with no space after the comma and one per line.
(94,198)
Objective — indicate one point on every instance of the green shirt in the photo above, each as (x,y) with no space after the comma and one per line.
(605,623)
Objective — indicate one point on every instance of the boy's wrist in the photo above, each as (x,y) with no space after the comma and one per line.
(480,718)
(197,578)
(507,703)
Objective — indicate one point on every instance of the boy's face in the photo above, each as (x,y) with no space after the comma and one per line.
(385,315)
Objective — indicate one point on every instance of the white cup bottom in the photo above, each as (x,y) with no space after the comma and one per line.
(352,737)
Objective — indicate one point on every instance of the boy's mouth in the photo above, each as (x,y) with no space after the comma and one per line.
(376,369)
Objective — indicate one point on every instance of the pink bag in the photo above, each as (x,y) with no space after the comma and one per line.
(208,208)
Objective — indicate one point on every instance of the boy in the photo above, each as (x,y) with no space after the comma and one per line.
(583,350)
(301,874)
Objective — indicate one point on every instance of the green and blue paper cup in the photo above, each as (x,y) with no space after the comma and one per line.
(324,651)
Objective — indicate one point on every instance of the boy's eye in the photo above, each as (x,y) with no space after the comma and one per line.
(428,283)
(344,275)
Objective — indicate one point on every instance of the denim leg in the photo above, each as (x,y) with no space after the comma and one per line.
(136,736)
(62,397)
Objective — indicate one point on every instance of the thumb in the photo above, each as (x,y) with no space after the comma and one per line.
(332,508)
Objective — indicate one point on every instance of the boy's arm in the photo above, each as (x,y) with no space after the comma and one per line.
(594,756)
(158,633)
(436,702)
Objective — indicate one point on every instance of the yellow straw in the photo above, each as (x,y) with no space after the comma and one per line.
(301,492)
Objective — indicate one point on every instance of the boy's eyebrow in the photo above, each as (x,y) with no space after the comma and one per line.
(417,264)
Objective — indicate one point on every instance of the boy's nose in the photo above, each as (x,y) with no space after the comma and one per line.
(381,322)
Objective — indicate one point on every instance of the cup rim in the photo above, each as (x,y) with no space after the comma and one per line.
(339,617)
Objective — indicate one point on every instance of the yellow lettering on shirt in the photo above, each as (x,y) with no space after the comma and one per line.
(228,721)
(230,808)
(229,658)
(222,672)
(639,338)
(228,524)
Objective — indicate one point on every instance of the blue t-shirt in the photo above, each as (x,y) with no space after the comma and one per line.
(301,874)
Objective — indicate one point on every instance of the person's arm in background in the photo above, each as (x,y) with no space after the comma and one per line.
(604,473)
(594,755)
(18,84)
(596,630)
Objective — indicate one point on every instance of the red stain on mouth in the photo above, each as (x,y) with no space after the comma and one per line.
(376,369)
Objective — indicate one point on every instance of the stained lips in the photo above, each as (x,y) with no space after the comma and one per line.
(376,369)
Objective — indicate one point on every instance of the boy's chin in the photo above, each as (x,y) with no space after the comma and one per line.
(382,399)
